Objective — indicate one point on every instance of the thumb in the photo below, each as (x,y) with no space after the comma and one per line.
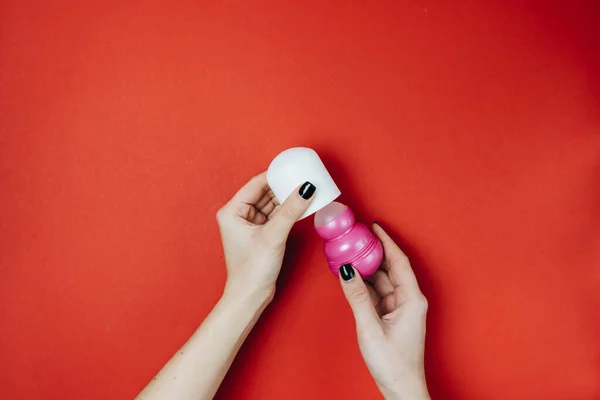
(290,211)
(358,296)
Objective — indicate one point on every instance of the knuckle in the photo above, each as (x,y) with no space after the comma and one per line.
(400,259)
(221,214)
(289,213)
(254,179)
(421,303)
(359,294)
(405,259)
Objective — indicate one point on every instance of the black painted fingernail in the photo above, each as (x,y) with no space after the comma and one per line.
(347,272)
(307,190)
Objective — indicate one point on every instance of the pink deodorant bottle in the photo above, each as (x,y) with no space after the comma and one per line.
(347,241)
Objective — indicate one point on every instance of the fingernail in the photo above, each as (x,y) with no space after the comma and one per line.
(375,222)
(307,190)
(347,272)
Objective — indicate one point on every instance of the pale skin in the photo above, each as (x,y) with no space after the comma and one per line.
(390,311)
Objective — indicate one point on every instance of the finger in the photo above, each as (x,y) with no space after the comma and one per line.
(290,211)
(253,191)
(358,297)
(388,304)
(256,214)
(273,213)
(397,265)
(265,199)
(383,305)
(373,295)
(251,214)
(267,204)
(382,283)
(268,209)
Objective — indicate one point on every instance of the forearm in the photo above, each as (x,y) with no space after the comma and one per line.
(412,388)
(197,369)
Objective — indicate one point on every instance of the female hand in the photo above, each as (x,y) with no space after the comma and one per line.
(390,313)
(254,229)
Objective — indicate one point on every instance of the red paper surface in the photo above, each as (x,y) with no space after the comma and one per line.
(470,131)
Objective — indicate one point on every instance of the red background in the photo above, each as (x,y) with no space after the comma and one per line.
(471,131)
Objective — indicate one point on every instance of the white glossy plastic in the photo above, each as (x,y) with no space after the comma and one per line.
(297,165)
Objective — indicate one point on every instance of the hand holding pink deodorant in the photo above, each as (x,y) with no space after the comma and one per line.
(345,240)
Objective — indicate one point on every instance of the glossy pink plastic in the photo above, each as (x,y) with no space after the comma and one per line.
(347,241)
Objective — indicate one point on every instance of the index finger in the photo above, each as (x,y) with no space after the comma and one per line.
(253,191)
(397,265)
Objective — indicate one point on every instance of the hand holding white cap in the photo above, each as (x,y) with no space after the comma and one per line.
(298,165)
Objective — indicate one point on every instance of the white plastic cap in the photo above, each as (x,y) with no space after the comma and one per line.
(297,165)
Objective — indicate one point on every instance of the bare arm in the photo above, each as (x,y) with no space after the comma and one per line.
(254,229)
(198,368)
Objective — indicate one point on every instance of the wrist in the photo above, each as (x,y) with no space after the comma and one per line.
(414,389)
(254,301)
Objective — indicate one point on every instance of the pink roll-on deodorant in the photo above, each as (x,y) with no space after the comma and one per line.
(347,241)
